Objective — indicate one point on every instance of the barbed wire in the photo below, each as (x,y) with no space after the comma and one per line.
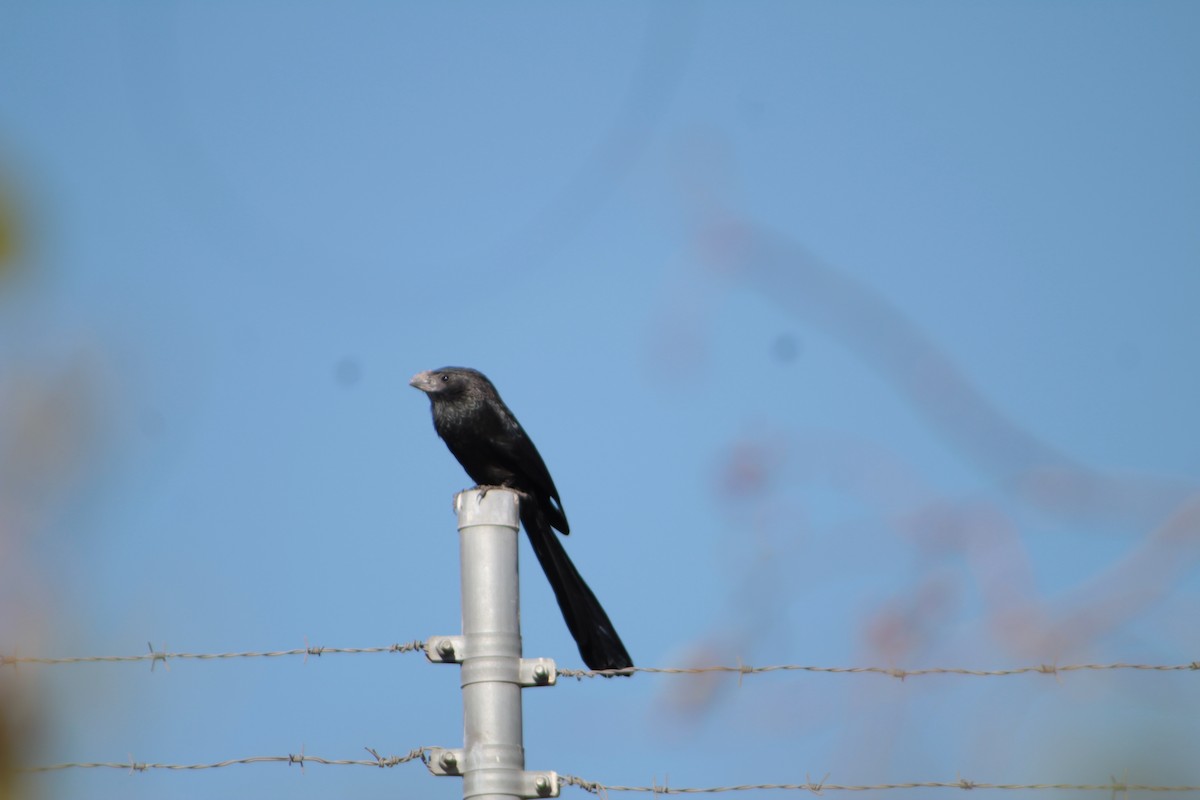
(156,656)
(594,787)
(894,672)
(417,645)
(291,759)
(1113,786)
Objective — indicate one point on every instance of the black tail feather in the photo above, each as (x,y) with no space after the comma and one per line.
(598,642)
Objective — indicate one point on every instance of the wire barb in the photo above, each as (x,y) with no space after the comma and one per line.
(156,656)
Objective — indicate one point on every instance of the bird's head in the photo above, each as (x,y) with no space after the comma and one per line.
(449,382)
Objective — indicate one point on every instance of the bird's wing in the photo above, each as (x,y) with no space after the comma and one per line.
(523,459)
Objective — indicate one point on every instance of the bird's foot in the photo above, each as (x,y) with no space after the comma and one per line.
(483,490)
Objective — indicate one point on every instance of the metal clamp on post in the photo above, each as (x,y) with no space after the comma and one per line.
(492,759)
(445,649)
(538,672)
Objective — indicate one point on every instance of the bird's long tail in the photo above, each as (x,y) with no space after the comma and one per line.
(598,642)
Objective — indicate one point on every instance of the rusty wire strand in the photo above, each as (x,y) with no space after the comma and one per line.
(594,787)
(155,656)
(1113,785)
(894,672)
(298,759)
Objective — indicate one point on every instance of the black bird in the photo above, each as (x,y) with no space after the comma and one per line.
(494,449)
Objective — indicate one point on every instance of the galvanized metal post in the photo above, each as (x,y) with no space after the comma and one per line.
(492,759)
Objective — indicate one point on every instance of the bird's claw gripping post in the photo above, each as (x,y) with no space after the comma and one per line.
(482,489)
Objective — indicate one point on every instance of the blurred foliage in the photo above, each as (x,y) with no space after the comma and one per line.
(40,407)
(9,229)
(18,731)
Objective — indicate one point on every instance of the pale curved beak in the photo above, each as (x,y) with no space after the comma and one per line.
(422,381)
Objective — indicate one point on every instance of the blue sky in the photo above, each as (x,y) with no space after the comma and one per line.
(852,333)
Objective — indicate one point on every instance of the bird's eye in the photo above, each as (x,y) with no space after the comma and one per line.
(445,379)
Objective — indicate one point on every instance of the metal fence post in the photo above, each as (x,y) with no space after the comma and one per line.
(492,759)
